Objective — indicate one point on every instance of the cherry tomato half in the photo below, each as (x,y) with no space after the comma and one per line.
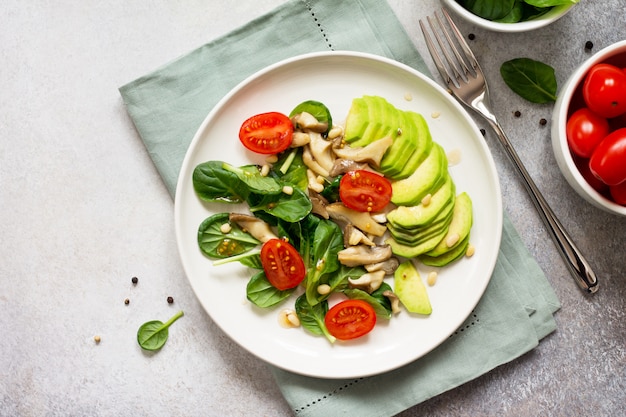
(283,265)
(604,90)
(364,191)
(585,130)
(618,193)
(608,161)
(350,319)
(267,133)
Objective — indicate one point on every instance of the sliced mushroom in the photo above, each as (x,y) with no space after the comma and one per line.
(253,225)
(322,152)
(319,204)
(311,163)
(353,236)
(369,282)
(314,184)
(306,121)
(395,301)
(371,153)
(389,266)
(362,220)
(341,166)
(300,139)
(364,255)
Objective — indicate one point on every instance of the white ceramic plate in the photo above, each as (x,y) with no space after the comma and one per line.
(335,78)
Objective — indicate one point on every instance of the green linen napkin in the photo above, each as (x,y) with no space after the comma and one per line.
(169,104)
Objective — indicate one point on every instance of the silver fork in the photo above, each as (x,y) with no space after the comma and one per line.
(466,82)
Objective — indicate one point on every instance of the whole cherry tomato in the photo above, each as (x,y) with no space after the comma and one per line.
(283,265)
(350,319)
(583,167)
(267,133)
(608,161)
(585,130)
(604,90)
(364,191)
(618,192)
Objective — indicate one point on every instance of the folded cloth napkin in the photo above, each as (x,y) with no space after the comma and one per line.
(169,104)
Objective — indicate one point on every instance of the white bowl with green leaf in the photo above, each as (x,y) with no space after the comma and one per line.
(510,15)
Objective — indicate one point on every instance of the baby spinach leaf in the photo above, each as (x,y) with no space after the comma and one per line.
(550,3)
(515,15)
(489,9)
(251,176)
(530,79)
(289,207)
(338,280)
(213,183)
(312,317)
(216,244)
(152,335)
(327,242)
(381,304)
(331,191)
(295,172)
(263,294)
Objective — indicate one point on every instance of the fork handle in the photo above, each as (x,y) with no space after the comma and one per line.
(575,261)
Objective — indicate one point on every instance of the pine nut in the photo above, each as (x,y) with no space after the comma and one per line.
(431,279)
(323,289)
(225,228)
(452,240)
(470,251)
(426,200)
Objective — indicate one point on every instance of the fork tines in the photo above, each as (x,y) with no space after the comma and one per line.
(463,65)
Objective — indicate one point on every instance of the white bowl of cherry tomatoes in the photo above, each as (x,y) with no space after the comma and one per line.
(589,129)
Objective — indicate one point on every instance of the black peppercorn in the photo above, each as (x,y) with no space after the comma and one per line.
(471,36)
(543,122)
(170,300)
(517,113)
(135,280)
(483,132)
(589,45)
(127,301)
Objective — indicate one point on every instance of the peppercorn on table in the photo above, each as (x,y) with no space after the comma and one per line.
(90,253)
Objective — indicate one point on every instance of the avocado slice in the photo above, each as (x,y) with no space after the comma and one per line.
(448,257)
(426,179)
(402,148)
(417,236)
(356,120)
(423,146)
(410,289)
(412,251)
(421,215)
(460,225)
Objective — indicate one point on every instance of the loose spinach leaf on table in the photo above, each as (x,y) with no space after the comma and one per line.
(312,317)
(214,243)
(530,79)
(152,335)
(263,294)
(213,183)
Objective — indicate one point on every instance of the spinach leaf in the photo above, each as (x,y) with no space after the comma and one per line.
(326,243)
(263,294)
(338,281)
(213,183)
(312,317)
(295,172)
(530,79)
(291,208)
(216,244)
(489,9)
(515,15)
(152,335)
(331,191)
(251,176)
(550,3)
(381,304)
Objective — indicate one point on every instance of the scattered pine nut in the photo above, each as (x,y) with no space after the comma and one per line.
(288,319)
(470,251)
(323,289)
(225,228)
(408,97)
(288,189)
(435,114)
(454,157)
(431,279)
(265,170)
(272,159)
(426,200)
(96,339)
(452,239)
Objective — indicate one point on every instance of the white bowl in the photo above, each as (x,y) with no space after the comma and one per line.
(570,99)
(556,13)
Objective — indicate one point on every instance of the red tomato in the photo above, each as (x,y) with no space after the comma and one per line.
(283,265)
(604,90)
(267,133)
(585,130)
(583,167)
(618,192)
(364,191)
(350,319)
(608,161)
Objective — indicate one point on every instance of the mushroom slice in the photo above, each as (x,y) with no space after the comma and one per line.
(311,163)
(369,282)
(253,225)
(364,255)
(341,166)
(322,152)
(319,204)
(395,301)
(362,220)
(306,121)
(314,184)
(353,236)
(371,153)
(300,139)
(389,266)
